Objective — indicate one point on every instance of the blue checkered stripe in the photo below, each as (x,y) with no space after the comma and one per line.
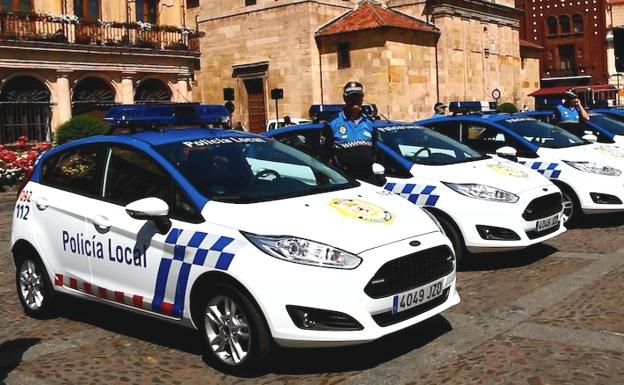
(422,195)
(184,249)
(549,170)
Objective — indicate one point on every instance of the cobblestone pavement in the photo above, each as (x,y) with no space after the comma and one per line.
(553,314)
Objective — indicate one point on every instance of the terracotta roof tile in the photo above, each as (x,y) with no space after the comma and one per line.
(371,15)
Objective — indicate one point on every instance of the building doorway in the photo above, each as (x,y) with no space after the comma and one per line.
(255,105)
(24,110)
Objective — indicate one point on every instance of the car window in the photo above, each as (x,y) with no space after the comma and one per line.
(307,140)
(452,129)
(251,169)
(542,134)
(76,170)
(424,146)
(612,125)
(131,176)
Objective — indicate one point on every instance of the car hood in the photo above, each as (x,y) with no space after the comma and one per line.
(354,220)
(607,154)
(495,172)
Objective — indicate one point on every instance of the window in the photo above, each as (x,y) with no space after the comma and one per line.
(132,176)
(344,55)
(250,2)
(577,23)
(146,11)
(17,5)
(553,25)
(566,59)
(192,3)
(75,171)
(564,20)
(87,9)
(306,140)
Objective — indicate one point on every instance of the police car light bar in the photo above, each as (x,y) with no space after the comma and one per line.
(163,115)
(467,107)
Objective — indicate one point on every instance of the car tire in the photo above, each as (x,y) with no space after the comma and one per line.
(456,239)
(572,212)
(34,288)
(230,346)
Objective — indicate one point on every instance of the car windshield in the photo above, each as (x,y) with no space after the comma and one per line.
(427,147)
(251,169)
(611,125)
(542,134)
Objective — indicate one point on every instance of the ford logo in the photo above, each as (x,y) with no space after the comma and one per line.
(414,243)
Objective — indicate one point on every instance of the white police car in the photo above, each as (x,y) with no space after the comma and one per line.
(483,204)
(588,174)
(239,236)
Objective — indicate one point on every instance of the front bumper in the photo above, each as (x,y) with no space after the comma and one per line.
(342,291)
(473,214)
(586,184)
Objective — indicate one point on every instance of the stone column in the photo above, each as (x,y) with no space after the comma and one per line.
(127,88)
(183,94)
(63,97)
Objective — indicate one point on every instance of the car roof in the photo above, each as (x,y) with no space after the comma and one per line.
(150,138)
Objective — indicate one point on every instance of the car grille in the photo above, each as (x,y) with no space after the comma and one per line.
(410,272)
(387,318)
(543,207)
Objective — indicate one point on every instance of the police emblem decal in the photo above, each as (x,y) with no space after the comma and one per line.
(507,170)
(342,130)
(359,209)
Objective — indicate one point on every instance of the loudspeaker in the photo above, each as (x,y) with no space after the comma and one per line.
(618,48)
(228,94)
(277,93)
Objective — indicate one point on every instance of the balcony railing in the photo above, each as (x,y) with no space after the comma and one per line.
(565,72)
(71,30)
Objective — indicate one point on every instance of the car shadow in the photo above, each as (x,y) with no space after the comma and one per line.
(506,260)
(601,221)
(284,361)
(11,353)
(359,357)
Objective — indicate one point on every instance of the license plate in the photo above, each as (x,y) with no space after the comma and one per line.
(416,297)
(546,223)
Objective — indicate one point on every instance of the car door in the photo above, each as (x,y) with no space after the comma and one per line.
(69,185)
(132,270)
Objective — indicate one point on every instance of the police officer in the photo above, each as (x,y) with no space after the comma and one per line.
(439,110)
(349,136)
(571,112)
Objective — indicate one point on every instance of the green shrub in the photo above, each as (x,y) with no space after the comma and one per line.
(79,127)
(508,108)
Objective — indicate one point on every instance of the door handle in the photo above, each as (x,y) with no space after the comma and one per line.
(41,203)
(101,222)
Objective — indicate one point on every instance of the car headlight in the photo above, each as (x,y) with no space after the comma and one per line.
(435,220)
(304,251)
(595,168)
(481,191)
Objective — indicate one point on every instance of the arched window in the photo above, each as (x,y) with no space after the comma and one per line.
(553,25)
(146,10)
(92,96)
(577,22)
(24,110)
(151,91)
(564,20)
(87,9)
(17,5)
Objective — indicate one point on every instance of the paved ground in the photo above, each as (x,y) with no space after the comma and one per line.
(553,314)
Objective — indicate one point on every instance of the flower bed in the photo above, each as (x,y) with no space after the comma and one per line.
(17,160)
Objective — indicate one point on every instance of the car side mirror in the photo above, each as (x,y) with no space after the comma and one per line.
(151,209)
(508,152)
(378,169)
(590,138)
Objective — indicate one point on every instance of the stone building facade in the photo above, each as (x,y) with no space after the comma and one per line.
(60,58)
(408,54)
